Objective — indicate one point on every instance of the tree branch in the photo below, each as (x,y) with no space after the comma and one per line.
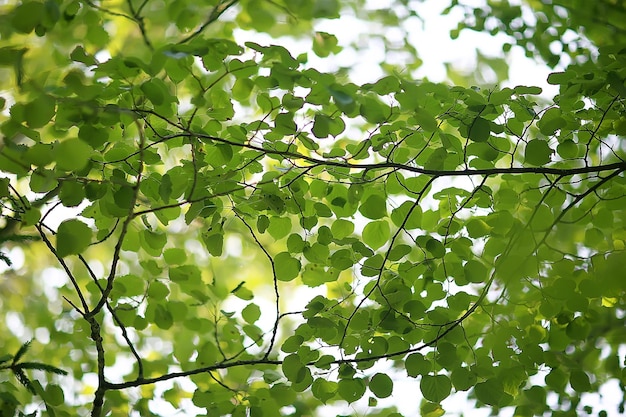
(215,14)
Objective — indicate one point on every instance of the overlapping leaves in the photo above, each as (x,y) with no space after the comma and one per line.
(208,174)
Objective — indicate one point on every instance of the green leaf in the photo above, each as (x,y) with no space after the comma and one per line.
(342,228)
(279,227)
(292,343)
(374,207)
(373,110)
(323,389)
(80,55)
(579,380)
(132,285)
(154,241)
(40,111)
(489,392)
(556,78)
(155,90)
(251,313)
(436,160)
(435,388)
(93,136)
(551,121)
(158,290)
(4,187)
(381,385)
(435,247)
(617,83)
(27,16)
(286,267)
(428,409)
(31,217)
(73,237)
(567,149)
(293,368)
(343,100)
(425,120)
(54,395)
(175,256)
(463,379)
(185,273)
(376,234)
(163,317)
(415,364)
(71,193)
(538,152)
(557,379)
(479,130)
(214,242)
(522,89)
(384,86)
(242,89)
(324,44)
(351,390)
(410,210)
(285,124)
(326,9)
(477,228)
(578,329)
(321,126)
(72,154)
(475,271)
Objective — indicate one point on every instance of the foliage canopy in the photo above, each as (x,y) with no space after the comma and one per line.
(196,217)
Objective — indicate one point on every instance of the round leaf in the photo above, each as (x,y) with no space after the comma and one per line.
(351,389)
(567,149)
(538,152)
(381,385)
(287,268)
(376,234)
(374,207)
(73,237)
(435,388)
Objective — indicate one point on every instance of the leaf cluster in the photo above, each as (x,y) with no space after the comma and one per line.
(225,212)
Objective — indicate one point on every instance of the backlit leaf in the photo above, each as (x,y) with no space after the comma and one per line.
(374,207)
(351,390)
(435,388)
(376,234)
(287,268)
(72,154)
(73,237)
(538,152)
(479,130)
(40,111)
(381,385)
(489,392)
